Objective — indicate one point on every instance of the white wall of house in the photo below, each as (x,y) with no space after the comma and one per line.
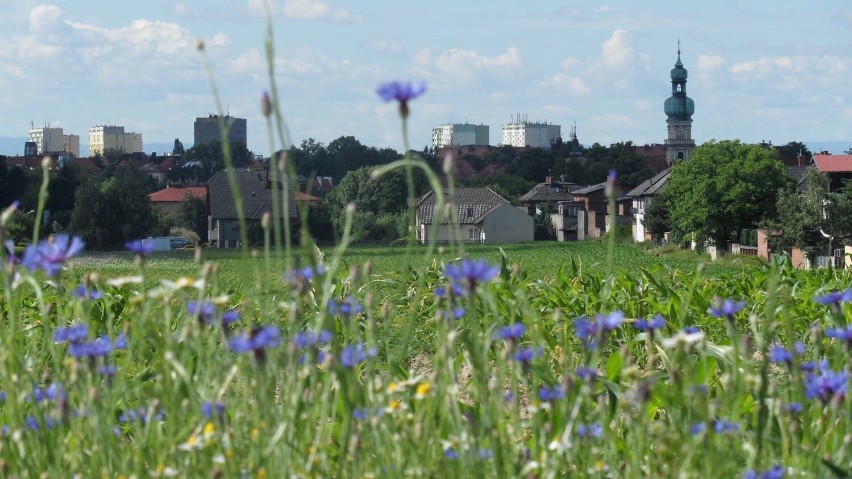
(639,215)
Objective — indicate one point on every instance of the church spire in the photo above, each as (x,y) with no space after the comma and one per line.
(679,109)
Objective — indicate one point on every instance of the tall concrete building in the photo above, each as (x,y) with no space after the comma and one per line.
(104,137)
(47,140)
(521,132)
(459,134)
(207,129)
(679,109)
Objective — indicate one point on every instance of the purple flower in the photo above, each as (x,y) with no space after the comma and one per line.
(610,321)
(230,317)
(826,385)
(309,339)
(454,290)
(793,407)
(11,258)
(587,374)
(51,255)
(774,472)
(835,298)
(300,279)
(83,293)
(526,355)
(511,333)
(257,342)
(140,248)
(724,427)
(107,370)
(72,334)
(54,392)
(209,409)
(355,354)
(691,329)
(726,309)
(100,347)
(841,334)
(139,414)
(589,430)
(655,324)
(470,273)
(400,91)
(450,453)
(550,394)
(203,310)
(345,307)
(697,428)
(778,354)
(591,332)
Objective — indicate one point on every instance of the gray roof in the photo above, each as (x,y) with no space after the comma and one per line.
(549,192)
(797,174)
(471,205)
(590,189)
(256,195)
(651,186)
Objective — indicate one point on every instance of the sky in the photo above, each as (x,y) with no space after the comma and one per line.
(758,69)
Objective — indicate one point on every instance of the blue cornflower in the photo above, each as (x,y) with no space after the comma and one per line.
(826,385)
(774,472)
(362,414)
(726,309)
(526,355)
(610,321)
(724,427)
(454,289)
(587,374)
(698,428)
(835,298)
(450,453)
(402,92)
(83,293)
(779,354)
(308,339)
(300,279)
(650,325)
(345,307)
(355,354)
(841,334)
(2,396)
(32,423)
(54,392)
(793,407)
(589,430)
(512,332)
(257,342)
(470,273)
(550,394)
(50,255)
(99,347)
(139,414)
(584,328)
(107,370)
(209,409)
(483,453)
(72,334)
(204,310)
(140,248)
(230,317)
(691,329)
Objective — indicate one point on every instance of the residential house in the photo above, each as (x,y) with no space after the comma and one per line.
(564,220)
(641,197)
(170,200)
(548,193)
(837,167)
(255,189)
(592,217)
(483,217)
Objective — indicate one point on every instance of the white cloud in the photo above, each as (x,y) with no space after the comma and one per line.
(384,45)
(710,62)
(563,83)
(466,64)
(43,18)
(618,49)
(304,10)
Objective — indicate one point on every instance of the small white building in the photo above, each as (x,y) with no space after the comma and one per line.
(523,133)
(103,137)
(459,134)
(480,216)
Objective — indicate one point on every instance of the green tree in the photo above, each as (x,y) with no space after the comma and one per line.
(112,210)
(178,148)
(724,187)
(192,215)
(792,150)
(657,218)
(204,160)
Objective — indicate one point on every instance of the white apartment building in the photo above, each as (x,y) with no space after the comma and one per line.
(525,133)
(103,137)
(459,134)
(47,139)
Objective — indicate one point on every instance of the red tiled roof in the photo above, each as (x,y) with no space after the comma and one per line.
(833,163)
(177,194)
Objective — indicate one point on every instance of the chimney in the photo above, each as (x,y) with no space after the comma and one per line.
(548,180)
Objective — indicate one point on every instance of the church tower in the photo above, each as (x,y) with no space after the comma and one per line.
(679,109)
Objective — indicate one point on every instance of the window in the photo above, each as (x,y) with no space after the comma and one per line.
(473,234)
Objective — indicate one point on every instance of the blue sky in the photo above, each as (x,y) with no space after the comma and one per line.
(758,69)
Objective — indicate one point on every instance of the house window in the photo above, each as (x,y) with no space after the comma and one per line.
(473,234)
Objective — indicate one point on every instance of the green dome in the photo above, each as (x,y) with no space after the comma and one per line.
(679,107)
